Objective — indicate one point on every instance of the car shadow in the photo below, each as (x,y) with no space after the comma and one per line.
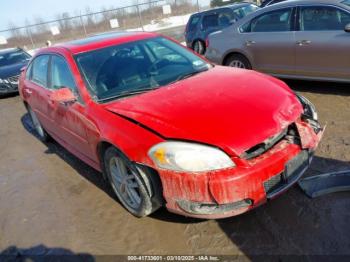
(4,96)
(294,224)
(42,253)
(95,177)
(319,87)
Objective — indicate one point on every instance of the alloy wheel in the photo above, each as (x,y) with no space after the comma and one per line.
(237,64)
(124,182)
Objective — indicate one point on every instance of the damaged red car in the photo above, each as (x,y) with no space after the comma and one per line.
(167,128)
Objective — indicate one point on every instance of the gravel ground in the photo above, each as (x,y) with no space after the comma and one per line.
(52,202)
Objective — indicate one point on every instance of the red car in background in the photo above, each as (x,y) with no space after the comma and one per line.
(165,127)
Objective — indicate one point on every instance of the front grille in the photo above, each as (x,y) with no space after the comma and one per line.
(290,134)
(13,80)
(273,183)
(261,148)
(294,169)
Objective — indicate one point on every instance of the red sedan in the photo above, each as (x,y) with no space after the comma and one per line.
(165,127)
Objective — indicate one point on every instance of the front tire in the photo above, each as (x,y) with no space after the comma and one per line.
(238,61)
(131,188)
(40,131)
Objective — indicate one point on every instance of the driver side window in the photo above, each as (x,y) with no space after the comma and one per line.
(61,75)
(274,21)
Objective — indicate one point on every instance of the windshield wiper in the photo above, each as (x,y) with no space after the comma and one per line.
(184,76)
(125,94)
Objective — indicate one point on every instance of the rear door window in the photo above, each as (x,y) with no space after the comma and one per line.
(39,70)
(210,20)
(323,18)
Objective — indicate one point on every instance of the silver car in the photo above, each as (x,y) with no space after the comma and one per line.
(302,39)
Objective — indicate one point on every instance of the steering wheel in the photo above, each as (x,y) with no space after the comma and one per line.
(106,77)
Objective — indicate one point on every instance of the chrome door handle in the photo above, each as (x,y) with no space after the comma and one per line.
(28,91)
(303,42)
(250,42)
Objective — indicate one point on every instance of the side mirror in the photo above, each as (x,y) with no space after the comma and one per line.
(63,96)
(347,28)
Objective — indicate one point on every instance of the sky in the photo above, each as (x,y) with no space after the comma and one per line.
(18,10)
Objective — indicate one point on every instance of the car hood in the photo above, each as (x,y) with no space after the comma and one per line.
(228,108)
(11,70)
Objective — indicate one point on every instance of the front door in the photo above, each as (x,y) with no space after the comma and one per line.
(269,42)
(69,118)
(322,45)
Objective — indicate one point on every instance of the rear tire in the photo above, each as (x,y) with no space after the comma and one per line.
(40,131)
(238,61)
(199,47)
(133,189)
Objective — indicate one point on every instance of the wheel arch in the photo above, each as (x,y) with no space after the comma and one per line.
(156,187)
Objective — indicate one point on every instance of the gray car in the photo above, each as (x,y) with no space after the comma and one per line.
(294,39)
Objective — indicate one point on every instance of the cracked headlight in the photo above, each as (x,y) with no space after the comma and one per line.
(188,157)
(309,108)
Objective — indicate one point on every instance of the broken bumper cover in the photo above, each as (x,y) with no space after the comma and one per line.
(233,191)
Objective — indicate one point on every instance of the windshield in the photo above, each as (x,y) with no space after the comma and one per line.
(137,66)
(13,57)
(346,2)
(245,10)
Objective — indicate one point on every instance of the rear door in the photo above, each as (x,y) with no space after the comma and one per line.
(269,41)
(210,23)
(322,45)
(36,92)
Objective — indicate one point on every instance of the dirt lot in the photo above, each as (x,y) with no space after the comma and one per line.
(48,197)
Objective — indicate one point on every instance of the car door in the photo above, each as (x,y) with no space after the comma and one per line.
(36,91)
(322,45)
(269,41)
(70,118)
(210,24)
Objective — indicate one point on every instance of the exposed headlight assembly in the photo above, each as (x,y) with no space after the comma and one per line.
(189,157)
(309,108)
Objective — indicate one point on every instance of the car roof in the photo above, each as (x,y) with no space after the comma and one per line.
(8,50)
(100,41)
(231,6)
(290,3)
(304,2)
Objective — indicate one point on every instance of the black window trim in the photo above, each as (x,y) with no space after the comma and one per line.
(299,7)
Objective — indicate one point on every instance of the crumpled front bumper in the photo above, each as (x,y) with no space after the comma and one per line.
(233,191)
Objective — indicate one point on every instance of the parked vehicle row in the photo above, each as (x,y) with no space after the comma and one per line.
(200,25)
(301,39)
(166,127)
